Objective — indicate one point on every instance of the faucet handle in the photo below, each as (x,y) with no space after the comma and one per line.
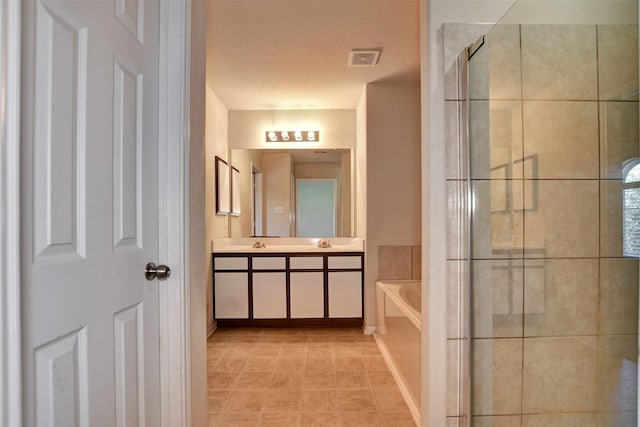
(324,243)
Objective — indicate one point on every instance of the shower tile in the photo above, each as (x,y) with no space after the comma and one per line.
(559,374)
(497,228)
(611,219)
(560,420)
(453,422)
(494,70)
(563,223)
(497,298)
(455,150)
(457,300)
(618,419)
(560,140)
(497,421)
(617,376)
(497,376)
(559,62)
(454,377)
(560,297)
(619,136)
(618,296)
(394,262)
(618,67)
(457,217)
(495,139)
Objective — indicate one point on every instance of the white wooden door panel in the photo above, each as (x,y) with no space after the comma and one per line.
(90,173)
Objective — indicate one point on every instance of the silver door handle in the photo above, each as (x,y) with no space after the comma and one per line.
(152,271)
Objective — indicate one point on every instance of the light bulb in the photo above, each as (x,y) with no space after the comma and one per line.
(311,135)
(273,136)
(285,135)
(298,135)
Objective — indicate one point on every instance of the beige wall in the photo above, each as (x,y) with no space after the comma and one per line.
(197,254)
(393,175)
(216,134)
(360,168)
(276,172)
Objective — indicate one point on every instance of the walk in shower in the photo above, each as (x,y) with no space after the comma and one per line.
(547,200)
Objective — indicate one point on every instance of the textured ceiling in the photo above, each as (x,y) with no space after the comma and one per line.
(292,54)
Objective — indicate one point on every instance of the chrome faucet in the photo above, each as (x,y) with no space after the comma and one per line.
(324,243)
(258,245)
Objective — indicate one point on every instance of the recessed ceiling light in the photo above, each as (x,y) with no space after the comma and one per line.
(364,57)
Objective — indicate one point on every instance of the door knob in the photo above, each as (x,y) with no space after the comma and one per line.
(153,271)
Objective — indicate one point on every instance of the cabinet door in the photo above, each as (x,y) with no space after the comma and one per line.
(307,295)
(269,295)
(231,293)
(345,294)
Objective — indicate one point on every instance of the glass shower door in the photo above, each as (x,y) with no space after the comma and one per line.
(552,119)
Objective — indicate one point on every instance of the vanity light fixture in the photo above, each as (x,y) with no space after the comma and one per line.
(289,135)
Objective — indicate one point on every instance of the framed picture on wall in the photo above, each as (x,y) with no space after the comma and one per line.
(222,187)
(235,191)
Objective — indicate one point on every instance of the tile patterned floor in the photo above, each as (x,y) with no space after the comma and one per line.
(300,378)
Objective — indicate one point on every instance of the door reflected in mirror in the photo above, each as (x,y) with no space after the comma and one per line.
(293,193)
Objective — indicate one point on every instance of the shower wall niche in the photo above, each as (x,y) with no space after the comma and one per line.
(543,304)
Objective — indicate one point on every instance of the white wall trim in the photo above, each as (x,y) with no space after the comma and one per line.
(10,337)
(175,375)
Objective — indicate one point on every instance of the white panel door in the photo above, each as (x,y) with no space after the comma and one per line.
(90,213)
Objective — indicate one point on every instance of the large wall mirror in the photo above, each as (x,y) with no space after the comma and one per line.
(294,193)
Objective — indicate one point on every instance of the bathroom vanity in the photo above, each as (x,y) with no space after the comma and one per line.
(288,282)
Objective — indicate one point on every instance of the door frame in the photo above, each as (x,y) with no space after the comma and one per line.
(174,309)
(173,201)
(10,332)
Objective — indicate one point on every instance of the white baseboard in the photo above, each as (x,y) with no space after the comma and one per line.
(211,328)
(368,330)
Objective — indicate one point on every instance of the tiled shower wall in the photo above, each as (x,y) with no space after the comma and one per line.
(553,333)
(399,262)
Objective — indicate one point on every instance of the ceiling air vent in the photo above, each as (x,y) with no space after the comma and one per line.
(364,57)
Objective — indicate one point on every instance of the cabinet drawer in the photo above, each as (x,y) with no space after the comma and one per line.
(269,263)
(305,263)
(344,262)
(230,263)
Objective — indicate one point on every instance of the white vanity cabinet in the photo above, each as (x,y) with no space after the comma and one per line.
(288,289)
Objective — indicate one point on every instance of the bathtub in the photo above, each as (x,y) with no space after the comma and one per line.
(398,336)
